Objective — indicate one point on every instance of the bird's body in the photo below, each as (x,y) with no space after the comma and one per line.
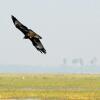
(29,34)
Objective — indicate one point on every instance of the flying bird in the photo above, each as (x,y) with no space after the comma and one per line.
(29,34)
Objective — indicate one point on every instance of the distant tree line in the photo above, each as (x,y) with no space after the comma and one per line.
(80,61)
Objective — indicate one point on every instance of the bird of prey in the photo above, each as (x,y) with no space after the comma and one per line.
(29,34)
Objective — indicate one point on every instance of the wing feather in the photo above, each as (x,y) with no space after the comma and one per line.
(38,45)
(20,26)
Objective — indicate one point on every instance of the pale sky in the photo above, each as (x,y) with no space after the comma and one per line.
(69,28)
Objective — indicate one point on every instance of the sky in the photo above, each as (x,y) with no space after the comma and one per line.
(70,29)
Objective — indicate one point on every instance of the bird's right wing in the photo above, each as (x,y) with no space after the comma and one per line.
(20,26)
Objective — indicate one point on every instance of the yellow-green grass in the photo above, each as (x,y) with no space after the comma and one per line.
(50,86)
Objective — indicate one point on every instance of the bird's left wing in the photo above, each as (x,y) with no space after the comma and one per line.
(38,45)
(20,26)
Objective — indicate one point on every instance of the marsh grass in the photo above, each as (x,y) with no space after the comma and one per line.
(50,86)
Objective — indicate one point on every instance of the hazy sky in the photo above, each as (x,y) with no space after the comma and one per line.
(70,29)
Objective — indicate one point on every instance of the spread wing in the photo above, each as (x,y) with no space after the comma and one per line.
(20,26)
(38,45)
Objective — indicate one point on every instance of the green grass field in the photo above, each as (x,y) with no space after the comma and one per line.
(50,86)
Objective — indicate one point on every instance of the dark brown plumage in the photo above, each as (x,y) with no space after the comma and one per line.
(29,34)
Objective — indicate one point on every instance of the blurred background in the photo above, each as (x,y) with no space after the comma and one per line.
(70,30)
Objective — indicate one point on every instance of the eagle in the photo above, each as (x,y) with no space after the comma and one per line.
(29,34)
